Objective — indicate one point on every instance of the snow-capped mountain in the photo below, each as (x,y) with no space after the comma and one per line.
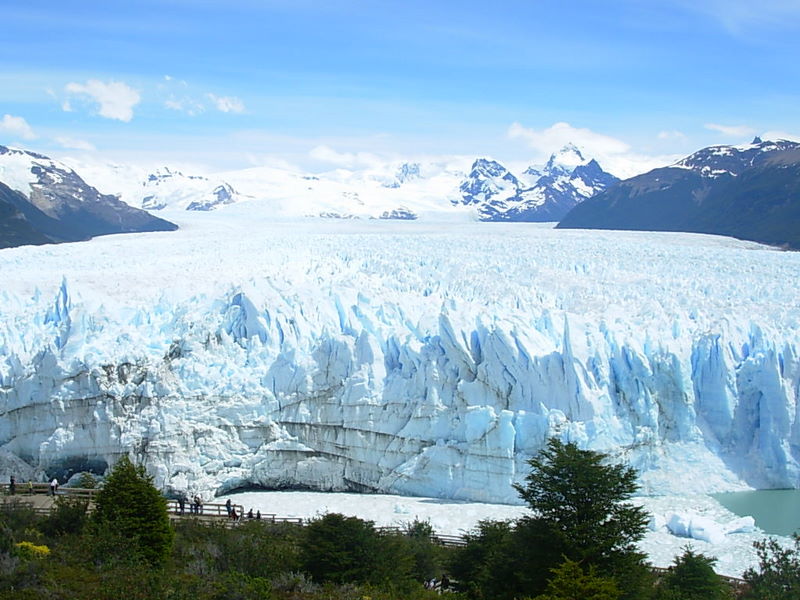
(448,189)
(751,192)
(716,161)
(540,194)
(59,204)
(167,188)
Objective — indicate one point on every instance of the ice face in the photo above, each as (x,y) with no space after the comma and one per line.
(401,357)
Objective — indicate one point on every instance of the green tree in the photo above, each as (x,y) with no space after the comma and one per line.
(778,574)
(692,577)
(583,500)
(569,582)
(427,556)
(68,516)
(133,508)
(341,549)
(484,568)
(579,513)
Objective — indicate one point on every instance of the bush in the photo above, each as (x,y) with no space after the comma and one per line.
(129,504)
(778,573)
(692,577)
(569,582)
(30,551)
(341,549)
(68,516)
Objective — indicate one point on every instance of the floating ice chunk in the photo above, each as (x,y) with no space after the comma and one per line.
(741,525)
(657,523)
(708,530)
(696,527)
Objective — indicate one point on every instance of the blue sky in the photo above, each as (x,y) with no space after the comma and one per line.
(243,82)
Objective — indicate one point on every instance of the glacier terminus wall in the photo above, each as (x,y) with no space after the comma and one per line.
(400,357)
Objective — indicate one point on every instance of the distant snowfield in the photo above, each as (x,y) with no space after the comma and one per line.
(734,554)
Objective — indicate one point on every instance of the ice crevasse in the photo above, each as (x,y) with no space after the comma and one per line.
(336,390)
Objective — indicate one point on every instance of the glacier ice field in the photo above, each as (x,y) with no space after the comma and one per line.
(414,358)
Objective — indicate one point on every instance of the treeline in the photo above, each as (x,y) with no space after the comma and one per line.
(578,543)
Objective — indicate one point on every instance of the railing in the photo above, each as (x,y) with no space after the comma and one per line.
(209,509)
(43,489)
(735,583)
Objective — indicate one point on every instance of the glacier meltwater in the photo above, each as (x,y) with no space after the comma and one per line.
(407,357)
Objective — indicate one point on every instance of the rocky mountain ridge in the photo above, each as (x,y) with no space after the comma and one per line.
(540,194)
(750,192)
(53,201)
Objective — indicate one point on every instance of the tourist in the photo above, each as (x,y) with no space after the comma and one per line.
(234,516)
(445,584)
(228,506)
(258,515)
(250,514)
(54,486)
(30,487)
(12,486)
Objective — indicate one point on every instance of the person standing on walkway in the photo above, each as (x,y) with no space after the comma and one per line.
(228,506)
(54,486)
(12,485)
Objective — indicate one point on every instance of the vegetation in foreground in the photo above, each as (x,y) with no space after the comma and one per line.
(578,543)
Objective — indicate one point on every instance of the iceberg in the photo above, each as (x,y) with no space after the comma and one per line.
(400,357)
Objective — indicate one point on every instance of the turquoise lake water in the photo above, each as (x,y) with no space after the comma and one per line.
(775,511)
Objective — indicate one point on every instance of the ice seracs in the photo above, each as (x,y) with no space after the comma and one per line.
(398,357)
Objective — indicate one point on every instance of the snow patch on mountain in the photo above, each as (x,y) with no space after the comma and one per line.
(541,193)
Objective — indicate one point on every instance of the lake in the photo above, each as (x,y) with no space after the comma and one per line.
(776,511)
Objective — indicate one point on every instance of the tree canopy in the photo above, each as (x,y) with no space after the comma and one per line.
(579,517)
(583,501)
(130,504)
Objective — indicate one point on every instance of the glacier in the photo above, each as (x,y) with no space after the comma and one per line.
(413,358)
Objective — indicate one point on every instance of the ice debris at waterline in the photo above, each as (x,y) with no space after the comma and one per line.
(404,359)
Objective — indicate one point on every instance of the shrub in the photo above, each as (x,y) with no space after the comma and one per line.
(30,551)
(341,549)
(68,516)
(569,582)
(130,505)
(692,577)
(778,573)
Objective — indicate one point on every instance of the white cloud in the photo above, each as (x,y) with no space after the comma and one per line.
(17,126)
(227,104)
(327,154)
(186,105)
(559,134)
(780,135)
(731,130)
(741,16)
(115,98)
(672,134)
(613,154)
(75,144)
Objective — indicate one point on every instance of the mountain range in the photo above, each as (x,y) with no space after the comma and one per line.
(44,201)
(749,192)
(540,194)
(448,189)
